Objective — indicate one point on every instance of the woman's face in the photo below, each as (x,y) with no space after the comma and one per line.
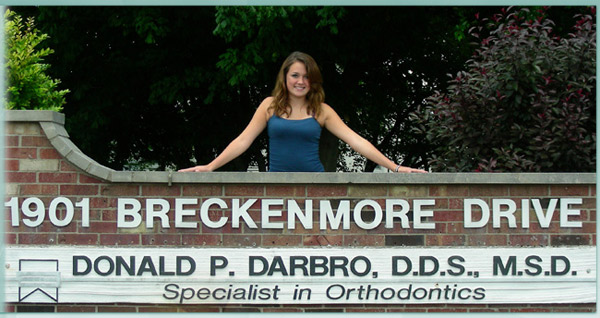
(297,81)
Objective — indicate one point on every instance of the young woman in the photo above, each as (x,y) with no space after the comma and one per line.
(294,117)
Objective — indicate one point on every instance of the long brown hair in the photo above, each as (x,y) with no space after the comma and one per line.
(315,95)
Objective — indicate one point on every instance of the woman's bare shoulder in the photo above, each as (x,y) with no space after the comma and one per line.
(325,113)
(265,107)
(268,100)
(326,108)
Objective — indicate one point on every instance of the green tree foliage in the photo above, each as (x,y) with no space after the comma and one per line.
(29,87)
(139,77)
(375,72)
(171,86)
(526,102)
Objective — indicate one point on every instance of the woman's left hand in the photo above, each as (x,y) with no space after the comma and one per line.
(402,169)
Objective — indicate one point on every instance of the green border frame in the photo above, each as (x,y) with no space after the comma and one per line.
(298,3)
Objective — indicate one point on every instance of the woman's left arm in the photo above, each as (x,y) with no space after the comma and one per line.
(333,123)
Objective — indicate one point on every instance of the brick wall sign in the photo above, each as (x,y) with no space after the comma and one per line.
(83,237)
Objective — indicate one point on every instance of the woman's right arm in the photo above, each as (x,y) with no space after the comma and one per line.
(241,143)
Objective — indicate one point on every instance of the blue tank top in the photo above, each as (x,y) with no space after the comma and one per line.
(294,145)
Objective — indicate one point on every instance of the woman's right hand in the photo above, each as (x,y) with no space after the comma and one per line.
(241,143)
(203,168)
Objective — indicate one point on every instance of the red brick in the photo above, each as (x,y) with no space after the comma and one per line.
(161,239)
(11,141)
(10,238)
(120,239)
(282,310)
(67,167)
(57,177)
(236,240)
(156,309)
(21,153)
(255,207)
(584,215)
(245,190)
(569,240)
(78,239)
(49,153)
(199,308)
(202,190)
(20,177)
(78,308)
(446,310)
(396,229)
(226,229)
(455,228)
(449,191)
(367,191)
(101,202)
(574,309)
(534,309)
(365,310)
(109,215)
(488,190)
(529,240)
(534,228)
(120,190)
(282,240)
(529,190)
(36,238)
(570,190)
(38,189)
(96,215)
(440,227)
(418,305)
(441,216)
(87,179)
(323,240)
(35,141)
(445,240)
(99,227)
(482,310)
(487,240)
(201,240)
(243,309)
(80,190)
(11,165)
(586,227)
(119,308)
(326,191)
(21,228)
(161,191)
(171,229)
(588,203)
(456,204)
(285,191)
(364,240)
(440,204)
(406,310)
(47,226)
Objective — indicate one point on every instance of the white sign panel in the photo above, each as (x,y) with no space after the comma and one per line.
(300,276)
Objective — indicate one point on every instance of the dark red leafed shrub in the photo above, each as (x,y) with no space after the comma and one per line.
(525,103)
